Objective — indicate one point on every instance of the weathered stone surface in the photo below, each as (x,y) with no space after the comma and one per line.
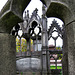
(70,4)
(65,54)
(11,14)
(31,73)
(46,2)
(60,11)
(7,54)
(28,64)
(71,48)
(16,6)
(8,21)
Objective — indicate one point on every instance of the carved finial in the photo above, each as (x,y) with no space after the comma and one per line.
(25,14)
(54,21)
(43,9)
(35,12)
(28,13)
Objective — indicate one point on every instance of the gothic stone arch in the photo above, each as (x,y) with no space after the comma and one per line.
(10,15)
(63,9)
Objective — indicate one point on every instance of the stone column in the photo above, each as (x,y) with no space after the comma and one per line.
(28,53)
(45,53)
(65,54)
(7,54)
(71,48)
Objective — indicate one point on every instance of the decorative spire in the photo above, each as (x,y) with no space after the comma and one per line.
(35,12)
(27,13)
(44,10)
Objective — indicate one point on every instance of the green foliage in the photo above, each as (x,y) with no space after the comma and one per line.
(33,73)
(21,73)
(17,48)
(22,44)
(17,41)
(54,67)
(59,56)
(59,67)
(58,48)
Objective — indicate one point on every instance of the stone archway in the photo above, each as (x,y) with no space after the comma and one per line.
(11,14)
(62,11)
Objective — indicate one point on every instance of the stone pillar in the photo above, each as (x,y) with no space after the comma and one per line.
(71,48)
(28,53)
(7,54)
(45,53)
(65,54)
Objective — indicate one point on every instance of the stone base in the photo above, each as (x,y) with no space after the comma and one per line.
(30,73)
(34,73)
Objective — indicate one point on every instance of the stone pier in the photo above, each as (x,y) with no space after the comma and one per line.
(7,54)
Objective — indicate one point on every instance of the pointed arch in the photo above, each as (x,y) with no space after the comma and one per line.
(60,10)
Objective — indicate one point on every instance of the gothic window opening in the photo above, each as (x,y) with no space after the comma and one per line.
(35,34)
(21,42)
(55,38)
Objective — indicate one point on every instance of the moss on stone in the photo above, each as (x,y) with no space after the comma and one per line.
(19,6)
(57,10)
(13,16)
(8,21)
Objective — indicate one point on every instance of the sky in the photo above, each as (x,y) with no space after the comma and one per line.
(31,7)
(35,4)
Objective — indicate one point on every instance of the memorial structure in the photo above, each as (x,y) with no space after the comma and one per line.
(11,15)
